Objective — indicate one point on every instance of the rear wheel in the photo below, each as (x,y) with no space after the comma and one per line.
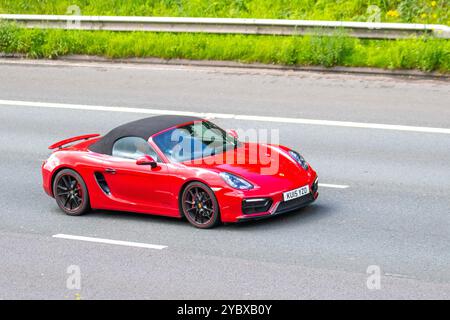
(71,193)
(199,205)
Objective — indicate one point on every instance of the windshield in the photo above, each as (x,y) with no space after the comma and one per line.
(193,141)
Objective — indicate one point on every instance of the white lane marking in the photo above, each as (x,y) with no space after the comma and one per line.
(108,241)
(155,66)
(398,275)
(161,66)
(348,124)
(336,186)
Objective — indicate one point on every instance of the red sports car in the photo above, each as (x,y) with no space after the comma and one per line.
(178,166)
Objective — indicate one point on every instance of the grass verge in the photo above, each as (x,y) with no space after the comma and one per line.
(426,54)
(420,11)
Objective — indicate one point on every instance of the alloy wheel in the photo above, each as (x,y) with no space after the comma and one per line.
(69,192)
(198,204)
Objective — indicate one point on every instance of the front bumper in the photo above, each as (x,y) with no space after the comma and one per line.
(280,206)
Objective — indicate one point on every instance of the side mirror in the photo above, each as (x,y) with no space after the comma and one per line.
(233,133)
(146,160)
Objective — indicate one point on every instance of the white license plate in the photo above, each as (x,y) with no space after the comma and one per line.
(296,193)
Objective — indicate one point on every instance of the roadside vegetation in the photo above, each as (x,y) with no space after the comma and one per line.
(420,11)
(425,53)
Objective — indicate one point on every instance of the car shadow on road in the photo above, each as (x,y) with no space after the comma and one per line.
(310,214)
(306,215)
(128,215)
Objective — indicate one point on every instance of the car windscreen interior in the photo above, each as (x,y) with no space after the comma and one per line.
(196,140)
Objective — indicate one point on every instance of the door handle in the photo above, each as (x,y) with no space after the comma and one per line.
(110,170)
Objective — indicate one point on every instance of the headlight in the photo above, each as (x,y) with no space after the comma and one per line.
(299,159)
(235,182)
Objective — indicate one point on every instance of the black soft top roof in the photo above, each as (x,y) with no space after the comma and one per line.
(143,128)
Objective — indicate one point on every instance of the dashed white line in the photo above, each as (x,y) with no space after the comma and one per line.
(109,241)
(336,186)
(347,124)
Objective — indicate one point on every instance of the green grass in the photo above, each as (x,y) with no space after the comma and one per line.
(422,11)
(426,54)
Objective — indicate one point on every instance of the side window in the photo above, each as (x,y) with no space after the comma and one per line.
(133,148)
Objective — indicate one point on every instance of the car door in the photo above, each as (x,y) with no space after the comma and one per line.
(136,187)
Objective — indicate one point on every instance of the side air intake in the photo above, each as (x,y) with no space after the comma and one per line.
(102,183)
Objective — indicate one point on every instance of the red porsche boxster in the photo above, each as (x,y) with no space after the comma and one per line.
(178,166)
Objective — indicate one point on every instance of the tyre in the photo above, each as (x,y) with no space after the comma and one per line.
(71,193)
(199,205)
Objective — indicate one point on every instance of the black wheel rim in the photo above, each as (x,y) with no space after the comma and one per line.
(198,204)
(69,193)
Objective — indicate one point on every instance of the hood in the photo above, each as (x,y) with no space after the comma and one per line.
(265,166)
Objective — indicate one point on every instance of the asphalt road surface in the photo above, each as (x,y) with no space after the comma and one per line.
(393,214)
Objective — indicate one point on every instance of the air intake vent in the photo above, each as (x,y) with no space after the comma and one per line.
(102,183)
(256,205)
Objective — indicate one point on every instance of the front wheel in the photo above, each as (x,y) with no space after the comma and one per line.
(71,193)
(199,205)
